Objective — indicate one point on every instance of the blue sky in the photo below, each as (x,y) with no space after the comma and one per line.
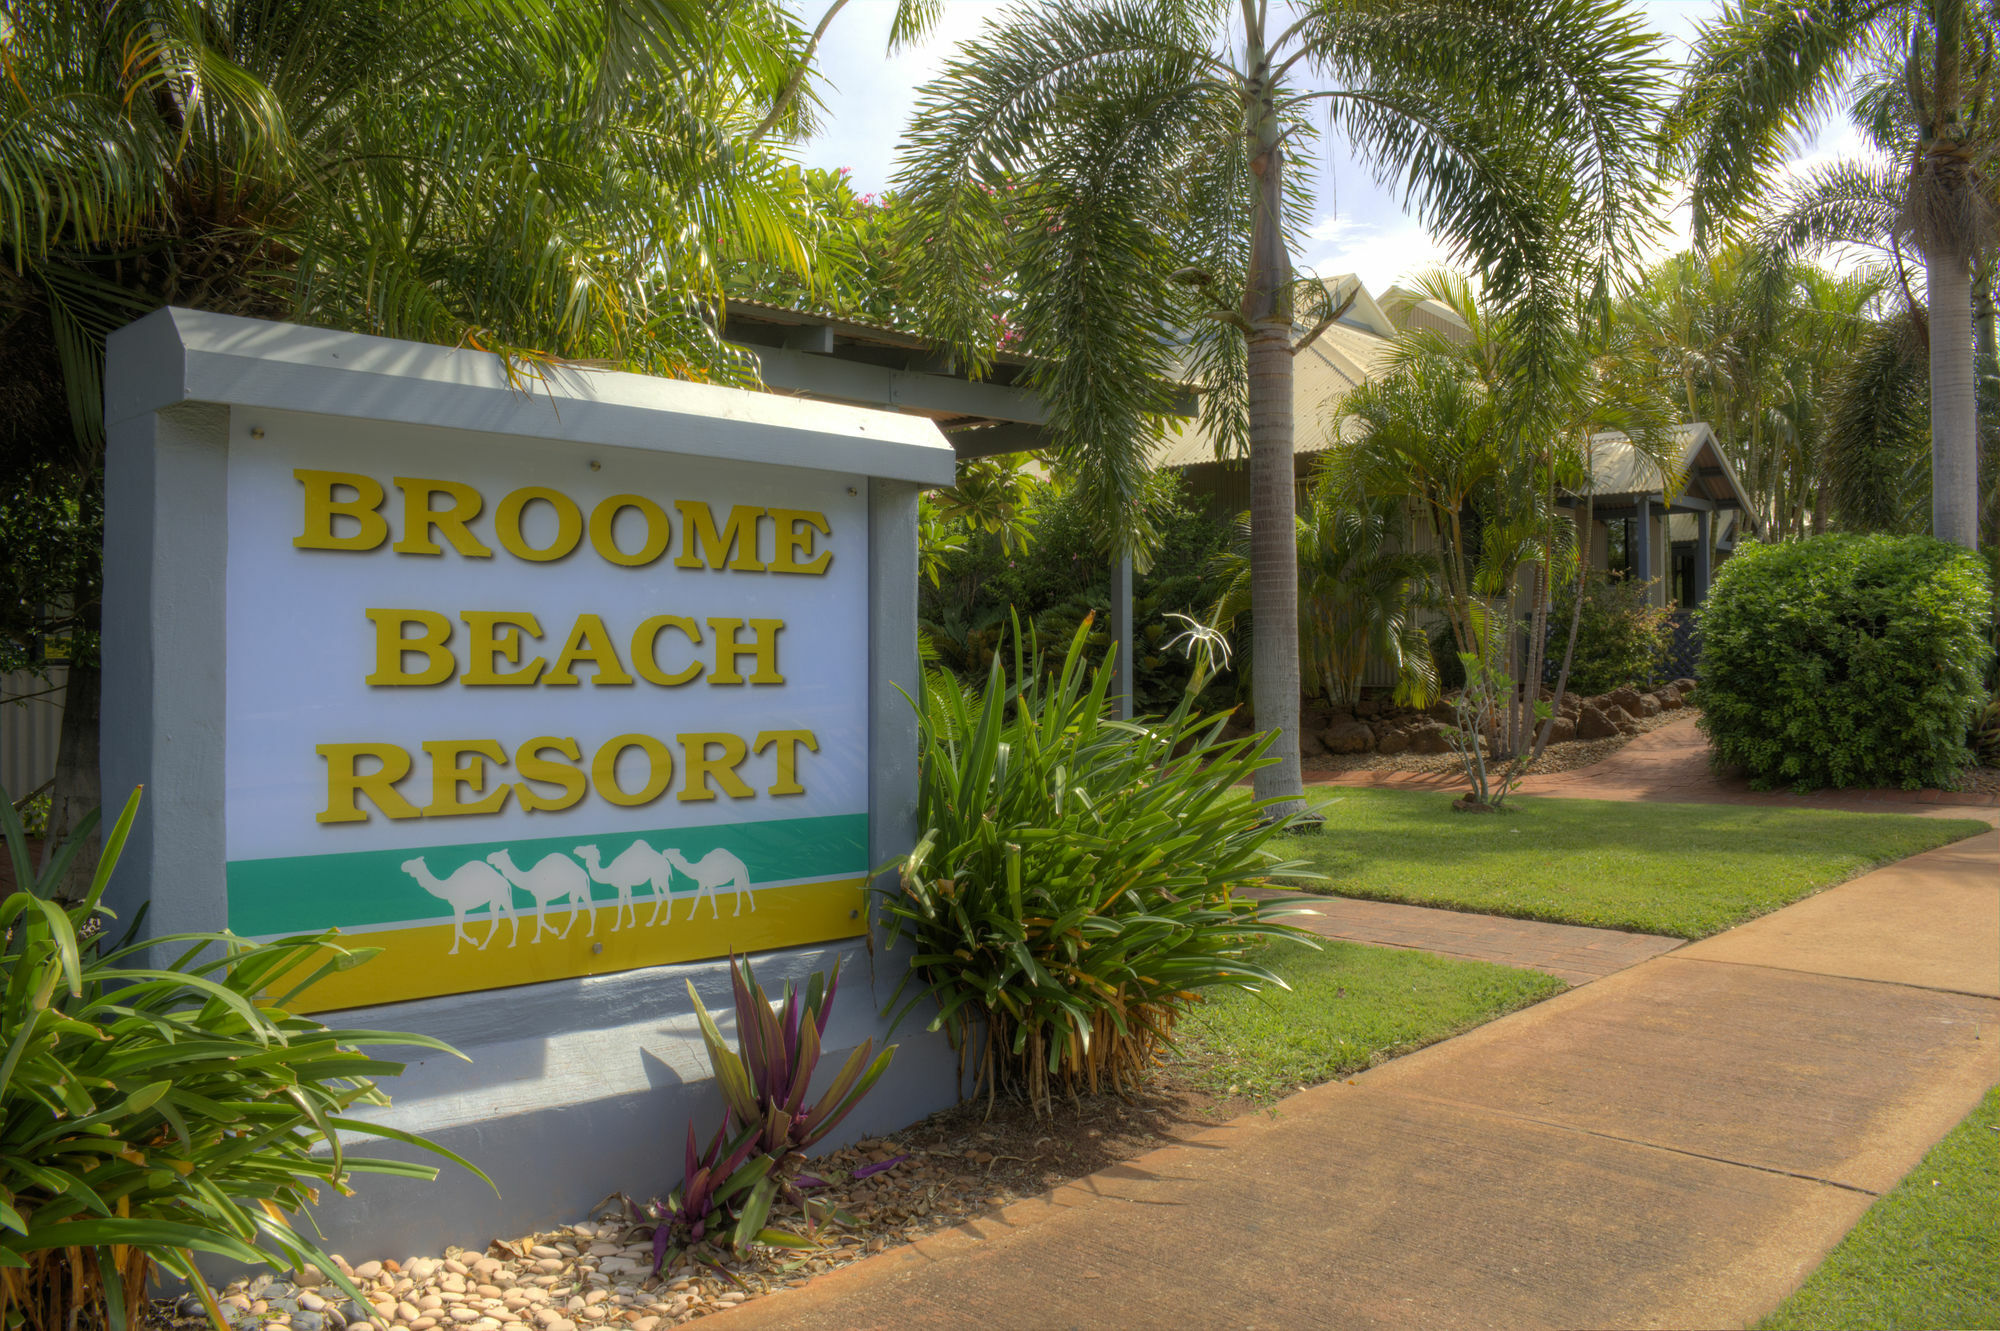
(1360,228)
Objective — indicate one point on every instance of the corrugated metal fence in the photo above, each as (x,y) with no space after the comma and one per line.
(30,726)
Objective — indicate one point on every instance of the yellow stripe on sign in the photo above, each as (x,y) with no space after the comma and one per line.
(437,959)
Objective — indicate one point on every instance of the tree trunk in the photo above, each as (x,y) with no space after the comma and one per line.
(1274,556)
(1987,372)
(1954,423)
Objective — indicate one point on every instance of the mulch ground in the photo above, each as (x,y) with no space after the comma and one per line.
(1555,758)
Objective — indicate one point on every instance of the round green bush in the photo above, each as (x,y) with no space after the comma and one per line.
(1844,661)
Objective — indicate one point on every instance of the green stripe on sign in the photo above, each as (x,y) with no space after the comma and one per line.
(306,893)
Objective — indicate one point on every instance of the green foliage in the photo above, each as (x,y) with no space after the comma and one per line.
(1358,598)
(1621,638)
(563,180)
(153,1113)
(1985,740)
(51,524)
(1056,576)
(1845,661)
(1074,889)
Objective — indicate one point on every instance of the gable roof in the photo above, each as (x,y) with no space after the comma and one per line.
(1702,471)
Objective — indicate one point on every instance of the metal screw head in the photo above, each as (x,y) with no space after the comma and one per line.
(595,465)
(596,949)
(257,432)
(851,490)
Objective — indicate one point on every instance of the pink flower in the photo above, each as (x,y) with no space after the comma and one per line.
(844,171)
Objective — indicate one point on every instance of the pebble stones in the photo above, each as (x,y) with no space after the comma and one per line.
(598,1276)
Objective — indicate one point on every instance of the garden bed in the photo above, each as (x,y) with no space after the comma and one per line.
(1564,757)
(1350,1008)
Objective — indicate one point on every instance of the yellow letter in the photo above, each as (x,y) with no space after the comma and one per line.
(344,785)
(507,523)
(588,642)
(391,646)
(727,649)
(605,516)
(448,774)
(322,508)
(647,638)
(788,742)
(419,518)
(485,648)
(736,546)
(604,770)
(700,767)
(529,763)
(795,541)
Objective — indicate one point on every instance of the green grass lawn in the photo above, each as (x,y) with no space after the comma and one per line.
(1688,870)
(1349,1007)
(1926,1255)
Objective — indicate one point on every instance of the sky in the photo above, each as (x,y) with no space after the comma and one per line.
(1360,227)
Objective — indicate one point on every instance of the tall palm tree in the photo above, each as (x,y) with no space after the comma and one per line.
(547,178)
(1764,69)
(1143,154)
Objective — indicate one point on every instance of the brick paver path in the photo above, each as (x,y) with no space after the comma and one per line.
(1567,951)
(1671,764)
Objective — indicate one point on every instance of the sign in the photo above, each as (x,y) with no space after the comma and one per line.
(517,712)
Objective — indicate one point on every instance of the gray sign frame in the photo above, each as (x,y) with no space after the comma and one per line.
(576,1088)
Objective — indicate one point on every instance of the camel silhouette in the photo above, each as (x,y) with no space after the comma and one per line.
(713,873)
(554,878)
(637,865)
(469,887)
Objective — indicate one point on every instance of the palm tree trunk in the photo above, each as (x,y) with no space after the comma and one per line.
(1987,372)
(1954,423)
(1274,570)
(1274,566)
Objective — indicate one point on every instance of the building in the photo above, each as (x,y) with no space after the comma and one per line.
(1675,526)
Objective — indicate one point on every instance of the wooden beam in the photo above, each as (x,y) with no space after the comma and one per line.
(840,380)
(994,440)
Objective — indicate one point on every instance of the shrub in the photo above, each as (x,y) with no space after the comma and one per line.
(728,1189)
(152,1114)
(1985,738)
(1073,892)
(1620,639)
(1844,661)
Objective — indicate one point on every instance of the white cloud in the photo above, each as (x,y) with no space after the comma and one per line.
(1381,255)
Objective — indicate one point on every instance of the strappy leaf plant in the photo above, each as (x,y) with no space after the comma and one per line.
(153,1114)
(1074,890)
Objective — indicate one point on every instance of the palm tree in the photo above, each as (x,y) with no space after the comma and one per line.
(1484,458)
(1759,344)
(1139,158)
(1765,68)
(553,179)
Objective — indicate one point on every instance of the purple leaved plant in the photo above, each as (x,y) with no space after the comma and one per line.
(765,1080)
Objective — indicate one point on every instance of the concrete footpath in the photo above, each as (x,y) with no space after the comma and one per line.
(1675,1145)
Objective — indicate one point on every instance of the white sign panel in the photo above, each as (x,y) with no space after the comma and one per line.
(515,710)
